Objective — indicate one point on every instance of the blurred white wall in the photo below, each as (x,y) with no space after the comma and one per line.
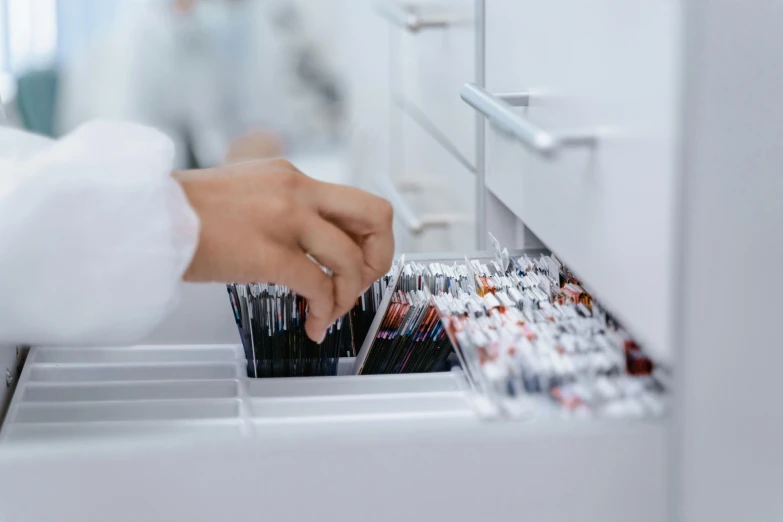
(36,34)
(40,33)
(28,39)
(362,51)
(80,23)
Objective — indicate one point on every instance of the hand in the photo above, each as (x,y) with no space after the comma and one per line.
(254,145)
(259,220)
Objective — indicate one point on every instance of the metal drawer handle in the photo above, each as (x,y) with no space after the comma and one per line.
(402,212)
(407,16)
(498,110)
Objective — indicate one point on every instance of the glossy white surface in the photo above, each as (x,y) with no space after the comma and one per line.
(158,390)
(203,315)
(606,212)
(434,64)
(729,462)
(439,184)
(431,131)
(420,471)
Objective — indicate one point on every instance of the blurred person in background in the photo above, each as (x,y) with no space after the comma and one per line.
(226,80)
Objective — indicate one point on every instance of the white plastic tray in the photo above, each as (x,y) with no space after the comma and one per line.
(202,389)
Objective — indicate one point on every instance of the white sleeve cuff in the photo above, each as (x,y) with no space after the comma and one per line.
(94,238)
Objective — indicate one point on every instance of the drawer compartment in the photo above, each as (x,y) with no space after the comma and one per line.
(125,411)
(75,431)
(354,385)
(140,372)
(137,354)
(610,69)
(368,405)
(150,390)
(133,391)
(438,189)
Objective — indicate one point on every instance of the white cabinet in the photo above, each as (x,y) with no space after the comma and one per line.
(200,317)
(608,68)
(403,446)
(666,217)
(435,63)
(439,189)
(432,135)
(391,471)
(672,203)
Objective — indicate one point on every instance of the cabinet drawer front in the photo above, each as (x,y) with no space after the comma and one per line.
(433,63)
(440,186)
(436,189)
(611,67)
(527,473)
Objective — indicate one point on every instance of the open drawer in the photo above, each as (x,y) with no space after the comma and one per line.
(203,390)
(141,448)
(436,469)
(85,391)
(184,419)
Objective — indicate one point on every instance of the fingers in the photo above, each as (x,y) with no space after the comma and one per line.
(357,211)
(307,279)
(366,217)
(337,251)
(378,250)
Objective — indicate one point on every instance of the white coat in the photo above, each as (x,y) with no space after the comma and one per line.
(95,235)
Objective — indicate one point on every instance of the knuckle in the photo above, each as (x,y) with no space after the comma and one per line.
(354,258)
(321,299)
(346,299)
(283,206)
(324,288)
(291,180)
(344,306)
(294,182)
(274,267)
(384,263)
(282,164)
(385,212)
(387,264)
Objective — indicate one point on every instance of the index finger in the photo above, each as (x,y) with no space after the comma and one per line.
(366,217)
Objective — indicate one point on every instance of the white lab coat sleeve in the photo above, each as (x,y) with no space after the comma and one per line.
(95,235)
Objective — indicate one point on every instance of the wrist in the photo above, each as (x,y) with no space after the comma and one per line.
(193,224)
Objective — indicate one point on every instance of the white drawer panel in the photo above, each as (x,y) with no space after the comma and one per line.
(439,186)
(607,210)
(433,64)
(528,472)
